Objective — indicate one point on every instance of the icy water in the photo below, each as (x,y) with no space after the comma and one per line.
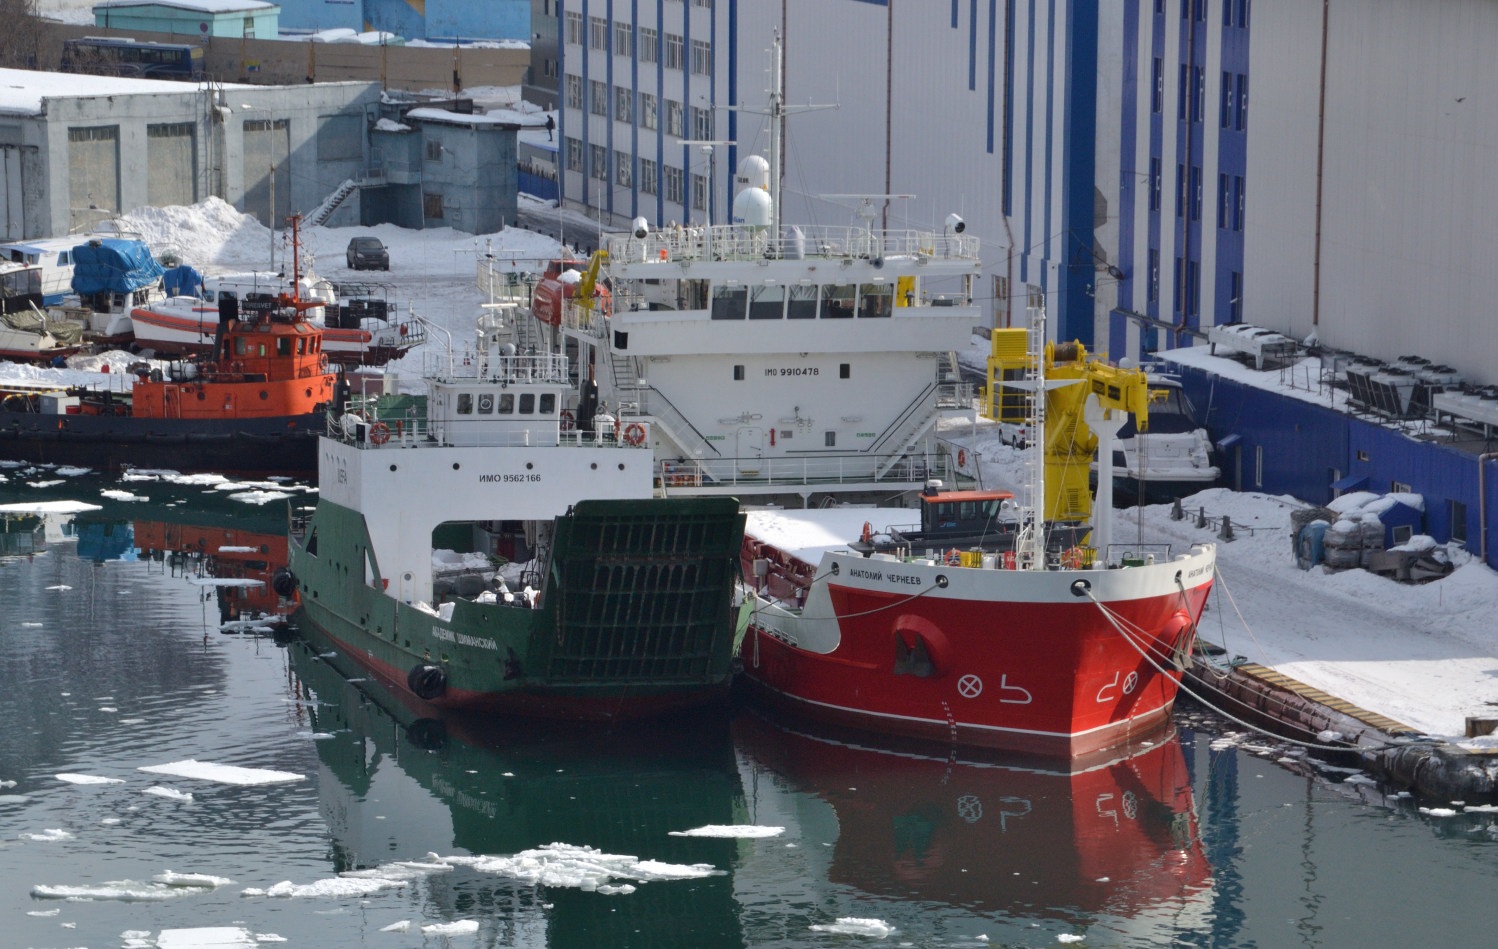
(114,660)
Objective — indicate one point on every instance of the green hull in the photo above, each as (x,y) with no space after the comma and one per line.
(635,616)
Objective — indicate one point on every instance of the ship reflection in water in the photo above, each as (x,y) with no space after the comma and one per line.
(403,780)
(1117,837)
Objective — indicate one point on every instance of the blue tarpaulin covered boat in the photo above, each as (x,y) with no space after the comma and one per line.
(113,265)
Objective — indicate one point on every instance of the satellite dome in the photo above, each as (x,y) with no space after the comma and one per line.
(754,172)
(752,207)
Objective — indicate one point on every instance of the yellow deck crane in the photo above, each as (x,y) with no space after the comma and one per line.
(1085,398)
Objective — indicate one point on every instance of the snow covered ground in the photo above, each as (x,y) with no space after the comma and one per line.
(1422,655)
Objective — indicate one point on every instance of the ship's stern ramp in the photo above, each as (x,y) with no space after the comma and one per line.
(644,590)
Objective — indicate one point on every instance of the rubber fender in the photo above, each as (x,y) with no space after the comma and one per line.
(283,581)
(427,681)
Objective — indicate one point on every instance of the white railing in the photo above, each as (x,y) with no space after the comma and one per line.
(743,242)
(469,365)
(822,470)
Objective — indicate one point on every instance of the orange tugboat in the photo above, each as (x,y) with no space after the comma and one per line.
(256,403)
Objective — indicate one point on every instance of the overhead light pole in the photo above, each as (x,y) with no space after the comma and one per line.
(270,123)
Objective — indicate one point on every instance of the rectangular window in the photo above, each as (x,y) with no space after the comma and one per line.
(1182,90)
(486,402)
(1223,193)
(675,185)
(431,205)
(699,191)
(1175,287)
(802,304)
(1235,302)
(1000,301)
(1196,193)
(702,58)
(1240,118)
(1201,10)
(1227,12)
(574,21)
(433,150)
(574,154)
(738,373)
(647,176)
(574,91)
(674,121)
(598,164)
(507,403)
(1243,13)
(1155,184)
(623,37)
(598,98)
(1157,95)
(624,100)
(845,370)
(548,404)
(1258,466)
(702,124)
(1225,107)
(527,404)
(650,45)
(1458,514)
(598,33)
(1238,202)
(647,111)
(675,51)
(729,301)
(623,169)
(465,403)
(1198,92)
(830,439)
(1154,276)
(1180,190)
(1193,288)
(767,302)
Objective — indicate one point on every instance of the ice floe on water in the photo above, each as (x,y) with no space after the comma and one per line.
(163,886)
(117,495)
(50,835)
(222,773)
(203,937)
(729,830)
(855,926)
(461,927)
(581,867)
(333,887)
(72,778)
(173,794)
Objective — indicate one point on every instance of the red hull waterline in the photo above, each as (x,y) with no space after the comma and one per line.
(1053,663)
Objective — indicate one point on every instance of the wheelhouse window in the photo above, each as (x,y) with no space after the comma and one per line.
(506,403)
(729,301)
(802,303)
(767,302)
(486,403)
(840,298)
(548,403)
(875,299)
(527,403)
(465,403)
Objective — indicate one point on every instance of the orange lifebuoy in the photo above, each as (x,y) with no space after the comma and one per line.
(868,532)
(954,557)
(567,420)
(634,434)
(962,457)
(322,362)
(403,329)
(1072,558)
(379,433)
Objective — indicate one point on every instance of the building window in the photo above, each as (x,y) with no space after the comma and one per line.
(574,21)
(1000,301)
(598,33)
(574,91)
(1181,92)
(674,184)
(1227,12)
(702,58)
(1458,514)
(647,176)
(623,170)
(1175,285)
(1225,107)
(1240,118)
(1180,190)
(738,372)
(1362,455)
(623,34)
(433,150)
(845,370)
(1154,275)
(431,205)
(1238,197)
(1193,288)
(1235,302)
(1155,183)
(674,125)
(1224,193)
(574,155)
(598,98)
(1196,193)
(1157,95)
(830,439)
(650,45)
(1258,466)
(624,100)
(1198,92)
(675,51)
(647,110)
(699,191)
(702,124)
(1243,14)
(598,162)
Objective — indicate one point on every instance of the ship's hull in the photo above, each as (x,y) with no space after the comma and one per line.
(276,444)
(1061,662)
(632,623)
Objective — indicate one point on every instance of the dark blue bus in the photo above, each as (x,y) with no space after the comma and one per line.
(119,56)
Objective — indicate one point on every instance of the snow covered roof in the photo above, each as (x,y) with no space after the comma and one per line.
(195,6)
(23,90)
(502,117)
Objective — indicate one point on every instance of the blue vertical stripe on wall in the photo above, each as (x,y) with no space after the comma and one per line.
(1027,216)
(660,117)
(1008,183)
(954,14)
(972,45)
(1232,160)
(1128,181)
(992,69)
(1079,168)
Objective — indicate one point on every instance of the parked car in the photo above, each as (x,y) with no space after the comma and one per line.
(367,253)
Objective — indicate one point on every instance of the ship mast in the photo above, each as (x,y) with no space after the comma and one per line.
(1029,546)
